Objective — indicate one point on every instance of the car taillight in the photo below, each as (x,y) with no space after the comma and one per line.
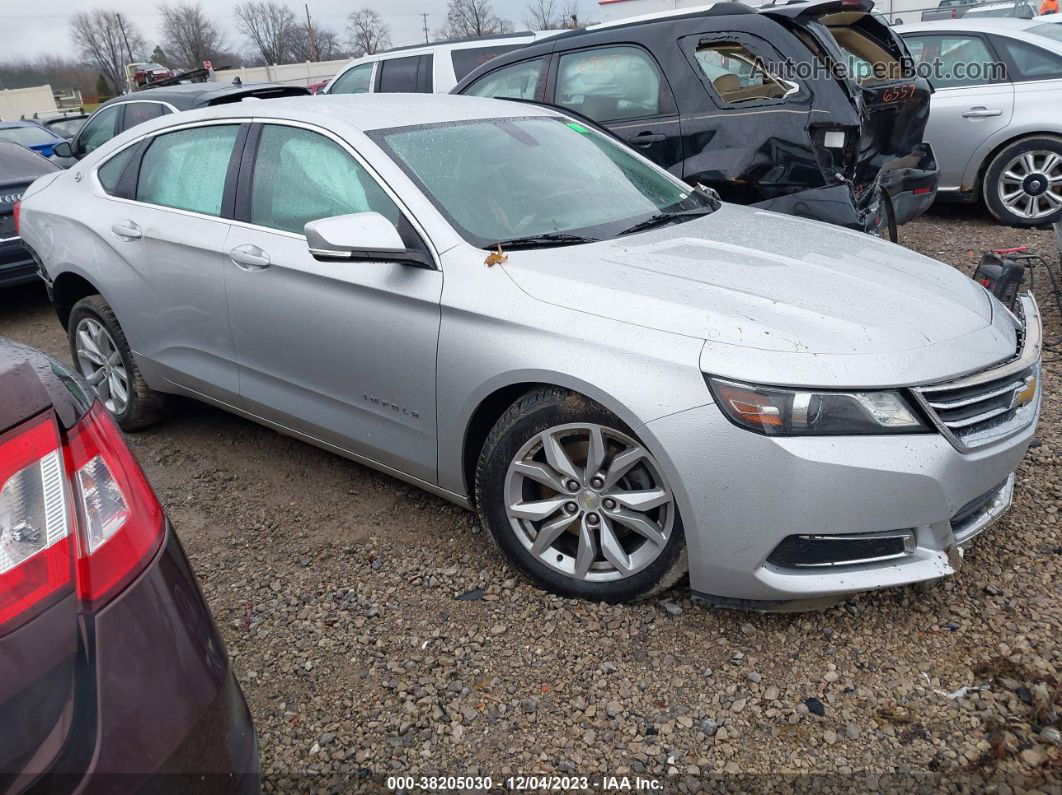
(36,560)
(16,214)
(119,519)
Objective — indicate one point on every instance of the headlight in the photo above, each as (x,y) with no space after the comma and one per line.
(799,412)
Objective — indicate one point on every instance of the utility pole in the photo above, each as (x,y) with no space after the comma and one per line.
(310,34)
(121,27)
(425,18)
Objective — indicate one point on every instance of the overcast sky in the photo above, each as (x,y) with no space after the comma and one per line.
(29,28)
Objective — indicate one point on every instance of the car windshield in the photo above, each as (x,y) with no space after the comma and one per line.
(1052,30)
(27,136)
(544,179)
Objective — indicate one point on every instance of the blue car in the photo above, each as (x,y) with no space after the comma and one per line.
(31,135)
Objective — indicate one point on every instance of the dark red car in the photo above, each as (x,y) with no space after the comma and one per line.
(146,73)
(112,674)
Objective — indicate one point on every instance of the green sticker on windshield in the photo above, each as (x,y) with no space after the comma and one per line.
(578,127)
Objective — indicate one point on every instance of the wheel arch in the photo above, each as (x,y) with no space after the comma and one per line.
(976,173)
(68,288)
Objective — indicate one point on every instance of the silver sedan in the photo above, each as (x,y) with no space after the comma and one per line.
(626,378)
(996,117)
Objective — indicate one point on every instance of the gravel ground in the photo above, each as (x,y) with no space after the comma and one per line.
(375,630)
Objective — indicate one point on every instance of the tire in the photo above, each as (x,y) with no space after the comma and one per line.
(590,547)
(1030,171)
(141,406)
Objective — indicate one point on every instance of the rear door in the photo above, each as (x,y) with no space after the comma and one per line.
(162,227)
(341,351)
(973,98)
(623,88)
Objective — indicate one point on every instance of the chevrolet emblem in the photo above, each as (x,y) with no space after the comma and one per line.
(1025,395)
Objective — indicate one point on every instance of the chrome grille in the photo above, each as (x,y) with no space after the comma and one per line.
(994,404)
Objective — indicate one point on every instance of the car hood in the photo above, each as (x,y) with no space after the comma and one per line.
(768,282)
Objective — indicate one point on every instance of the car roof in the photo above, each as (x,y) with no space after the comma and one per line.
(196,95)
(367,112)
(1013,28)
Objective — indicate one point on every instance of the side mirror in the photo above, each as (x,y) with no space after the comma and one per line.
(359,237)
(63,149)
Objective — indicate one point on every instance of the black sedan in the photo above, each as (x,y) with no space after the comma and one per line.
(19,167)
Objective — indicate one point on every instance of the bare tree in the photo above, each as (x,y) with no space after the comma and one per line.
(553,15)
(367,32)
(316,42)
(269,27)
(108,41)
(190,37)
(466,18)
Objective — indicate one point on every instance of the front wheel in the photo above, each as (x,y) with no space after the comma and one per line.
(1023,183)
(577,502)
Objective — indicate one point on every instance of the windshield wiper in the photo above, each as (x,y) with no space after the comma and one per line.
(544,240)
(663,219)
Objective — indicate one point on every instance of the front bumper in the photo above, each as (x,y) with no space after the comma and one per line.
(741,495)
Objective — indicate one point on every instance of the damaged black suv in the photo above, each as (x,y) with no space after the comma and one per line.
(810,108)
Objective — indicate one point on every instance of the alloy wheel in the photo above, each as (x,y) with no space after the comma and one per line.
(589,502)
(101,364)
(1031,184)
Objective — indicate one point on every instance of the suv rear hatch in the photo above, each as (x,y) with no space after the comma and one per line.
(874,67)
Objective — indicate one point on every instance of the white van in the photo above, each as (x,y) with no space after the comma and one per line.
(425,69)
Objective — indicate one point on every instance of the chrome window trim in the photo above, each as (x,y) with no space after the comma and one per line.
(101,193)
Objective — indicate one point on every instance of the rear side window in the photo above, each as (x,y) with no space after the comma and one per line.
(738,76)
(140,112)
(465,61)
(99,130)
(353,81)
(1031,63)
(111,171)
(186,169)
(517,81)
(410,75)
(610,84)
(302,176)
(960,58)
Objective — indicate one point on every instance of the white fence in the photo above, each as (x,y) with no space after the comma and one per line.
(294,74)
(18,102)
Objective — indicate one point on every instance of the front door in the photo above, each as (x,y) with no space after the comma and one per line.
(341,351)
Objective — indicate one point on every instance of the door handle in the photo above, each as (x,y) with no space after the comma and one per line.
(981,112)
(126,230)
(249,258)
(646,138)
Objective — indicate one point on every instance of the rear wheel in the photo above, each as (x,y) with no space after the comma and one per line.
(102,356)
(1023,183)
(577,502)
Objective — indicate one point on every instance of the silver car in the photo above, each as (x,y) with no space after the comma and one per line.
(996,118)
(623,376)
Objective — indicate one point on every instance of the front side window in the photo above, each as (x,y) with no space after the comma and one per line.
(186,169)
(99,130)
(954,60)
(140,112)
(302,176)
(610,84)
(737,75)
(353,81)
(517,81)
(504,179)
(1031,63)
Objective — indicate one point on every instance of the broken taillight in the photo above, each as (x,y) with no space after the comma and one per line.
(75,516)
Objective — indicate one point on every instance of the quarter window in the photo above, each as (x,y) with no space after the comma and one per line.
(610,84)
(353,81)
(111,171)
(737,75)
(99,130)
(302,176)
(186,169)
(517,81)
